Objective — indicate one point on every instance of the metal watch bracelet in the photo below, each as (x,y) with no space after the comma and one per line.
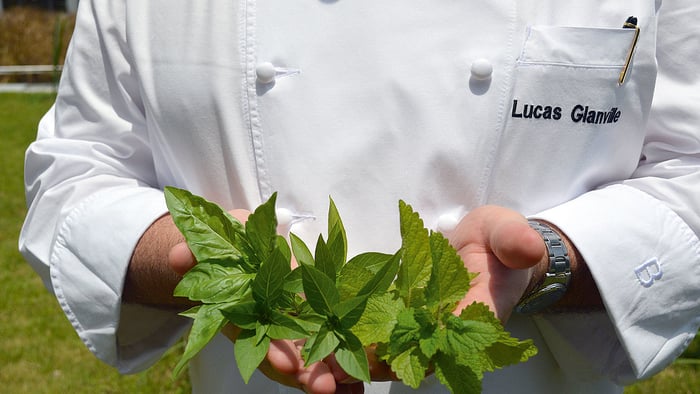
(556,280)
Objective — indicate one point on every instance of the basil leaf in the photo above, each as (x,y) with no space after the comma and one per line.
(261,229)
(214,283)
(249,352)
(320,290)
(337,237)
(320,345)
(243,314)
(324,259)
(350,310)
(358,271)
(269,282)
(352,357)
(207,322)
(301,251)
(208,229)
(285,327)
(382,279)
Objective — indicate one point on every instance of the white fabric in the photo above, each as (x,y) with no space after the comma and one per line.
(379,106)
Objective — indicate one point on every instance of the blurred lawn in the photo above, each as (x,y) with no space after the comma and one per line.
(40,352)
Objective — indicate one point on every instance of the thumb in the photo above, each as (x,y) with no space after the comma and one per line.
(516,244)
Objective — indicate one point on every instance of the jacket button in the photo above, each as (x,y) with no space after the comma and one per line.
(481,69)
(265,72)
(447,223)
(285,217)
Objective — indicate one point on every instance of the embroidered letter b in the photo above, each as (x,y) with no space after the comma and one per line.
(649,272)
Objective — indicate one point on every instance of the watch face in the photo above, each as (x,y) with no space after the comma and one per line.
(541,299)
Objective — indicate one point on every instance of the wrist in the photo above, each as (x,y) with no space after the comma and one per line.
(549,279)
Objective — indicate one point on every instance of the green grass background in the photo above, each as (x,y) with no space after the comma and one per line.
(40,352)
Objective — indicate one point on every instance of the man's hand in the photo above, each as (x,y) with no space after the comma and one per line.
(499,245)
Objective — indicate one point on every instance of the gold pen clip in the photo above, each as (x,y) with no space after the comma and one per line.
(630,23)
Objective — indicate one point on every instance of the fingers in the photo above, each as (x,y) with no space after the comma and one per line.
(287,367)
(180,258)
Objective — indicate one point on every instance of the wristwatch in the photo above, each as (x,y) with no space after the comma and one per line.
(556,280)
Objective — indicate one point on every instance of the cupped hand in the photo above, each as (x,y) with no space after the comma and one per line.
(499,245)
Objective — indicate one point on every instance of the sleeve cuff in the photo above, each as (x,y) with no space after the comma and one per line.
(88,265)
(644,259)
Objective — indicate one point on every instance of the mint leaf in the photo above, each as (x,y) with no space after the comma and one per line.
(468,336)
(208,322)
(458,378)
(410,366)
(449,279)
(249,352)
(320,290)
(378,319)
(416,266)
(209,230)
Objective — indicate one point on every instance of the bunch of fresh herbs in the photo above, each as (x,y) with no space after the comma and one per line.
(401,304)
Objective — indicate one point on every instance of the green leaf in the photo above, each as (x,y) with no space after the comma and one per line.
(350,310)
(378,319)
(320,345)
(406,333)
(449,280)
(324,259)
(352,358)
(208,322)
(468,336)
(337,237)
(301,251)
(285,327)
(293,282)
(415,268)
(320,290)
(457,378)
(383,278)
(261,229)
(249,352)
(410,366)
(357,272)
(210,231)
(269,282)
(244,314)
(214,283)
(506,351)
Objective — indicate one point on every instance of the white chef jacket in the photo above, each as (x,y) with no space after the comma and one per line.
(448,106)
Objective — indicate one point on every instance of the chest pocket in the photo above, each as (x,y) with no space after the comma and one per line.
(570,121)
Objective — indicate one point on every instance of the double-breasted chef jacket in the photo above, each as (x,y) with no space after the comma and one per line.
(447,105)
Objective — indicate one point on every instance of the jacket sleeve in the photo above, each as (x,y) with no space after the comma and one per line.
(640,236)
(92,191)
